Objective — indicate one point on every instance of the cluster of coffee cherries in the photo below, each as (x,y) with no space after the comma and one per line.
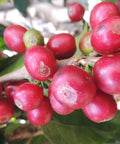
(71,88)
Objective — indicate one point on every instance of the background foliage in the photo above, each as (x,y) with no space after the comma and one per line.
(74,128)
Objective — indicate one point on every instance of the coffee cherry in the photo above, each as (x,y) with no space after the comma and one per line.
(106,72)
(85,43)
(33,37)
(10,88)
(28,96)
(41,115)
(76,12)
(40,63)
(6,110)
(102,11)
(105,37)
(62,45)
(1,88)
(72,87)
(58,107)
(102,108)
(13,36)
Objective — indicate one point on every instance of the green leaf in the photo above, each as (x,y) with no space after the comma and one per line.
(21,5)
(11,64)
(114,1)
(46,1)
(2,28)
(77,38)
(3,46)
(40,139)
(11,127)
(20,141)
(76,128)
(2,137)
(3,1)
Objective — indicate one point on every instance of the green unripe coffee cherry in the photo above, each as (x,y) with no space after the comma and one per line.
(33,37)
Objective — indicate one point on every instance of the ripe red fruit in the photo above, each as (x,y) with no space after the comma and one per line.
(62,45)
(13,36)
(102,108)
(85,43)
(6,110)
(76,12)
(102,11)
(106,72)
(72,87)
(58,107)
(40,63)
(10,88)
(1,89)
(105,37)
(28,96)
(41,115)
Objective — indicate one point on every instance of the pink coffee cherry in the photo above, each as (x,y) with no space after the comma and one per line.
(28,96)
(72,87)
(40,63)
(41,115)
(11,86)
(101,11)
(76,12)
(102,108)
(62,45)
(58,107)
(6,110)
(13,36)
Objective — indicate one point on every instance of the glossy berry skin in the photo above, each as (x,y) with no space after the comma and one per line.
(85,43)
(1,88)
(106,72)
(72,87)
(105,37)
(102,11)
(13,36)
(58,107)
(62,45)
(28,96)
(40,63)
(6,110)
(76,12)
(102,108)
(41,115)
(10,88)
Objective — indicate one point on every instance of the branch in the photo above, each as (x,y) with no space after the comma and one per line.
(23,74)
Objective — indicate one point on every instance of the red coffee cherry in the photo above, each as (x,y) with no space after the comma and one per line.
(13,36)
(62,45)
(41,115)
(58,107)
(28,96)
(102,11)
(106,72)
(6,110)
(102,108)
(76,12)
(105,38)
(40,63)
(72,87)
(10,88)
